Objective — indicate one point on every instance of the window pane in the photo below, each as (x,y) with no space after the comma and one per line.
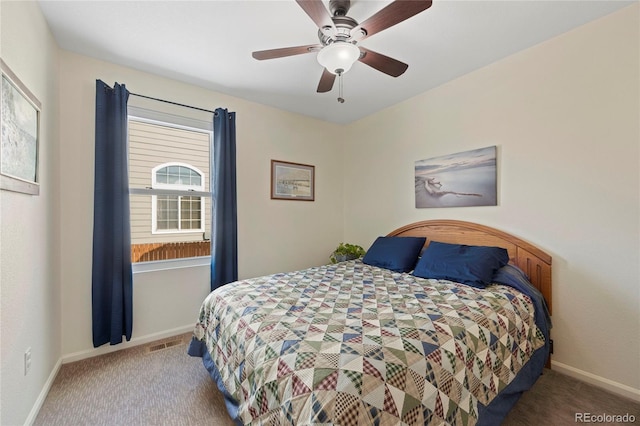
(173,179)
(167,211)
(158,231)
(195,178)
(190,212)
(161,175)
(153,144)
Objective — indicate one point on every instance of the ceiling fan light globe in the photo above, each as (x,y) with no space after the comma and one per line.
(338,55)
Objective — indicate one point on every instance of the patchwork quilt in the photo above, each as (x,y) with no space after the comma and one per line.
(351,344)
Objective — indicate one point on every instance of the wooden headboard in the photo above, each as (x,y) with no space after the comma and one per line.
(533,261)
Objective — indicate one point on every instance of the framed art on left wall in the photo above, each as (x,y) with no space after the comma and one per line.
(19,135)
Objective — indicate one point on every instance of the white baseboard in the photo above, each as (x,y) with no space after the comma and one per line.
(77,356)
(610,385)
(135,341)
(43,394)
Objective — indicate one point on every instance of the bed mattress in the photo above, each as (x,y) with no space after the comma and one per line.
(353,344)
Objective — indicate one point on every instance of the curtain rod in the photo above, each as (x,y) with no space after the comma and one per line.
(172,103)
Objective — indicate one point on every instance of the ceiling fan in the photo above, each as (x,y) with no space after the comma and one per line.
(340,34)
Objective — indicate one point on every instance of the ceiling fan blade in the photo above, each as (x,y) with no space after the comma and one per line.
(383,63)
(389,16)
(285,51)
(326,82)
(317,12)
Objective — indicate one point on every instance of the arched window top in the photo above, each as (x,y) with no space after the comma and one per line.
(177,175)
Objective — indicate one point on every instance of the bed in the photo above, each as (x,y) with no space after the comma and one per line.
(390,339)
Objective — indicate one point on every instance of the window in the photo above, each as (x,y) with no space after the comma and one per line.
(177,213)
(169,181)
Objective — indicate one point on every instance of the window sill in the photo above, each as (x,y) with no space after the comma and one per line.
(180,232)
(163,265)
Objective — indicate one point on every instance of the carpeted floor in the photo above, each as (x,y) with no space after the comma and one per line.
(167,387)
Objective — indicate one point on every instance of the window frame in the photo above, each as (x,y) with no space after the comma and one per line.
(156,185)
(186,123)
(185,191)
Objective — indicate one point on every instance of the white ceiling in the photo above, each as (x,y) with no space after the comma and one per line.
(209,44)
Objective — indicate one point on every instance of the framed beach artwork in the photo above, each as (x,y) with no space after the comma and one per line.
(292,181)
(19,135)
(463,179)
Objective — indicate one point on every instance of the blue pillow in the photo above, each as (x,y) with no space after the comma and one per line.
(471,265)
(396,253)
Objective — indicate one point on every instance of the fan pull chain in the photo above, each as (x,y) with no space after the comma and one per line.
(340,98)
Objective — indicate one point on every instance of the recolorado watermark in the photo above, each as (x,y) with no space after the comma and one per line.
(604,418)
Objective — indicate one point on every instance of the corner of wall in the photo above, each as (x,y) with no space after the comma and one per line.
(29,264)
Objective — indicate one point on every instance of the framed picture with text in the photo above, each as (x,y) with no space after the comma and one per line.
(292,181)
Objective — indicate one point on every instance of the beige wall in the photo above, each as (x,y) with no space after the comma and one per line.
(274,235)
(29,286)
(564,116)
